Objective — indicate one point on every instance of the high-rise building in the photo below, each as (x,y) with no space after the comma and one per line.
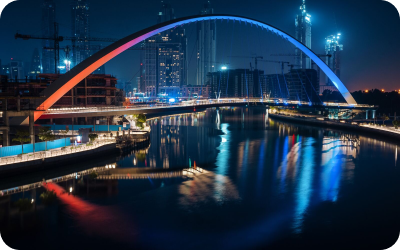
(4,69)
(17,70)
(235,83)
(166,13)
(35,67)
(303,85)
(303,35)
(163,64)
(333,48)
(80,31)
(48,30)
(206,46)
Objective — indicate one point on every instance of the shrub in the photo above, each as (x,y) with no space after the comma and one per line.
(396,124)
(93,137)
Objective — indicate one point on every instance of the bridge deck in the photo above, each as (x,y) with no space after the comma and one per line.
(199,104)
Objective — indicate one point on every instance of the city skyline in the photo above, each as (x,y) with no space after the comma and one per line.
(354,79)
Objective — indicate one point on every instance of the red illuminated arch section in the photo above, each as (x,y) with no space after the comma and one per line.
(67,81)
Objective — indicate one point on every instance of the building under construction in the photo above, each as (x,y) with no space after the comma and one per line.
(333,48)
(94,91)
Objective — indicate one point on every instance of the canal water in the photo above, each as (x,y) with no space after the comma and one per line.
(266,183)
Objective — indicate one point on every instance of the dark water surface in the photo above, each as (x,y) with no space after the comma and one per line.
(268,184)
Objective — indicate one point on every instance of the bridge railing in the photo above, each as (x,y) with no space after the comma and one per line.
(195,103)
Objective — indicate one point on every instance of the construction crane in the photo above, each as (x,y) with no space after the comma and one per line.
(67,50)
(57,39)
(280,62)
(255,59)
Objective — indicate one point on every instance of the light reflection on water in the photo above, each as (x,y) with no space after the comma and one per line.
(272,175)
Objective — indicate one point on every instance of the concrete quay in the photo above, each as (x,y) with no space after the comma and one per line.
(391,134)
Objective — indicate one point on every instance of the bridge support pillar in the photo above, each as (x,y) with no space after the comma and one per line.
(6,130)
(18,103)
(373,114)
(366,114)
(31,128)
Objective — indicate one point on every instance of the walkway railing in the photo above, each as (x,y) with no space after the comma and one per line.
(53,152)
(193,103)
(35,185)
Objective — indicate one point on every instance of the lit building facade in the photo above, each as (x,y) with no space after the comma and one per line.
(48,30)
(191,91)
(206,46)
(303,34)
(163,58)
(333,48)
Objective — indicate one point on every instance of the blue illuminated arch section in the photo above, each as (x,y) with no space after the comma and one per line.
(67,81)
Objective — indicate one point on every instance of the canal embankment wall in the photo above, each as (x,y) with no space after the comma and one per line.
(338,125)
(58,161)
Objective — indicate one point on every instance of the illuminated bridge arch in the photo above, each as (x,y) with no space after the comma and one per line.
(67,81)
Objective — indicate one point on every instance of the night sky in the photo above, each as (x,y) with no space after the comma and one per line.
(370,33)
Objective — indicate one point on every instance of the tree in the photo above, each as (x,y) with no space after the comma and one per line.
(22,137)
(65,132)
(396,124)
(93,137)
(385,118)
(140,120)
(45,134)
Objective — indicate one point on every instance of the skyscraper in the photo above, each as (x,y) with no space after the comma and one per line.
(48,20)
(303,34)
(333,48)
(236,83)
(206,45)
(35,65)
(80,30)
(166,13)
(163,64)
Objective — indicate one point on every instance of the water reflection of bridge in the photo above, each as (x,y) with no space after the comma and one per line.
(137,173)
(110,172)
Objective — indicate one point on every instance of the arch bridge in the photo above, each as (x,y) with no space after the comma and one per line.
(70,79)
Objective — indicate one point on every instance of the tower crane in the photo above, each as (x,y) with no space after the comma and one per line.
(280,62)
(255,59)
(57,39)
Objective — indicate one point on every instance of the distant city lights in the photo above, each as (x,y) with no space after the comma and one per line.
(224,68)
